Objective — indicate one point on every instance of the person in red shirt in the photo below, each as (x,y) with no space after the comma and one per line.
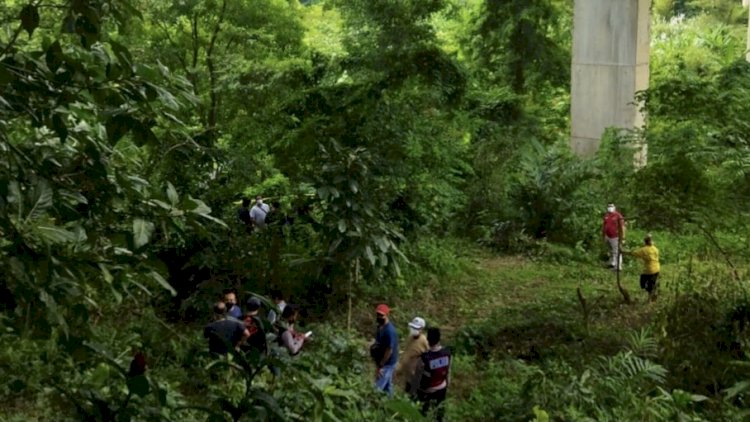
(613,232)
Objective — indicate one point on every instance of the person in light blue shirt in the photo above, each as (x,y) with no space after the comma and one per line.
(258,213)
(385,350)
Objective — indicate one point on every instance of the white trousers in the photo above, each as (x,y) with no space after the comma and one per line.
(614,252)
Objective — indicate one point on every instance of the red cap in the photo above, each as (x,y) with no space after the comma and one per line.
(383,309)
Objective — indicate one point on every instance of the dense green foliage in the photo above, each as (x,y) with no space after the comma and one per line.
(395,135)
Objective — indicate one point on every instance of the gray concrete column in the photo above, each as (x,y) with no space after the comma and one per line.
(610,64)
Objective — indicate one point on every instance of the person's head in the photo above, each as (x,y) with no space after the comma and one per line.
(610,207)
(245,202)
(259,199)
(290,314)
(647,240)
(416,326)
(381,314)
(230,297)
(220,310)
(433,336)
(276,205)
(252,306)
(277,296)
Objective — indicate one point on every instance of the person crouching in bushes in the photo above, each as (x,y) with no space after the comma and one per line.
(650,257)
(254,325)
(288,337)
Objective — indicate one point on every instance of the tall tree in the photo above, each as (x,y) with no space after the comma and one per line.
(76,218)
(515,41)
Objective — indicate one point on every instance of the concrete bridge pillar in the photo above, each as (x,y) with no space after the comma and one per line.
(610,64)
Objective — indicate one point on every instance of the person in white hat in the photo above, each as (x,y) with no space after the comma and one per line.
(416,344)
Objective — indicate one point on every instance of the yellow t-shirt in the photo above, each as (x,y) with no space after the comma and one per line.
(407,362)
(650,257)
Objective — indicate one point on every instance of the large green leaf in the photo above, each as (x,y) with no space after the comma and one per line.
(172,195)
(52,234)
(405,409)
(142,231)
(42,200)
(162,282)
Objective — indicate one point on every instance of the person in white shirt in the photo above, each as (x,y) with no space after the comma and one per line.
(258,212)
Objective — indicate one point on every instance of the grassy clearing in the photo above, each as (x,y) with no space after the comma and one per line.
(506,314)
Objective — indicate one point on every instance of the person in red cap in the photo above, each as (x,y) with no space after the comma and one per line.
(385,350)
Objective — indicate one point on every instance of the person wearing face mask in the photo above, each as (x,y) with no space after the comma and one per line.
(416,344)
(230,299)
(258,212)
(384,351)
(613,232)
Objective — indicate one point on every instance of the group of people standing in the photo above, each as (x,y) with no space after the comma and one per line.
(257,215)
(613,232)
(423,368)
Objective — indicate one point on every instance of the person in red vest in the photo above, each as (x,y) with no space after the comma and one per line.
(613,231)
(432,375)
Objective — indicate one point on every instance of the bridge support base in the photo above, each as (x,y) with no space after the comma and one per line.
(610,64)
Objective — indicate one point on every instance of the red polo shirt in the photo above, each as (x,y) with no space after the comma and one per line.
(612,222)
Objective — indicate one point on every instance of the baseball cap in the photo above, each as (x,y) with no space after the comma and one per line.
(417,323)
(253,304)
(383,309)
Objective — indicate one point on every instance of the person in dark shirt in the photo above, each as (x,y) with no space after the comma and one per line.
(385,350)
(255,328)
(243,214)
(432,375)
(224,333)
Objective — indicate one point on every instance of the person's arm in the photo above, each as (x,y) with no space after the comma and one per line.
(638,253)
(386,355)
(621,228)
(448,377)
(416,378)
(245,336)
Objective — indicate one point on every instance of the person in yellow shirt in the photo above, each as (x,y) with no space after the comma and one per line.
(416,344)
(650,257)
